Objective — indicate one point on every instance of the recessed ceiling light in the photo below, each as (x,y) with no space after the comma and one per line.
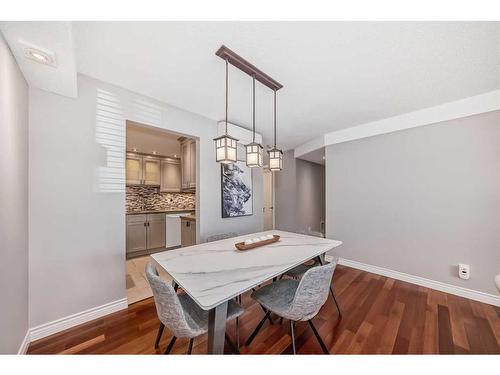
(154,152)
(175,155)
(38,54)
(135,150)
(324,157)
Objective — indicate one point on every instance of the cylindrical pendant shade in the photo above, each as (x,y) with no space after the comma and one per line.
(225,149)
(275,159)
(254,154)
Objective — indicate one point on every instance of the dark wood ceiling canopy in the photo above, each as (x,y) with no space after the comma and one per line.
(239,62)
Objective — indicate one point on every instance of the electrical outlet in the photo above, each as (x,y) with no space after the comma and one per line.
(464,271)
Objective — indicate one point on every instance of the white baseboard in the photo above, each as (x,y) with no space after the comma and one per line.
(23,348)
(59,325)
(432,284)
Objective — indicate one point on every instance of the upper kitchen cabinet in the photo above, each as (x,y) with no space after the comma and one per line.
(151,170)
(170,176)
(192,164)
(188,164)
(134,169)
(143,170)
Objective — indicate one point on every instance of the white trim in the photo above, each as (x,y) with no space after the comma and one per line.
(470,106)
(23,348)
(460,108)
(432,284)
(312,145)
(59,325)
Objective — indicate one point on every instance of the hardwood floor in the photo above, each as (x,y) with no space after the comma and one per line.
(380,316)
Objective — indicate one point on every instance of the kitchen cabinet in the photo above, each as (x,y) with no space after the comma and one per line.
(192,164)
(170,176)
(133,168)
(155,231)
(142,170)
(188,232)
(145,232)
(151,170)
(188,164)
(136,234)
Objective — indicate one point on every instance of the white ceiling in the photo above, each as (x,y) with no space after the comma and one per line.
(149,140)
(335,74)
(55,37)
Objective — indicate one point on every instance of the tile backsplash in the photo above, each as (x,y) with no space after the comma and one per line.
(149,198)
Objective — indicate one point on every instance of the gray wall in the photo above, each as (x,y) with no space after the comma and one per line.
(299,195)
(310,195)
(420,201)
(77,193)
(13,203)
(285,194)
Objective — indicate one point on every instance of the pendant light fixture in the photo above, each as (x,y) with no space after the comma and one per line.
(225,145)
(254,149)
(275,155)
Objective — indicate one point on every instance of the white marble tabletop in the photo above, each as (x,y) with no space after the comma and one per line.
(212,273)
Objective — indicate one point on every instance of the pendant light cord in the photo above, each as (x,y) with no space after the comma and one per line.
(274,118)
(227,85)
(254,108)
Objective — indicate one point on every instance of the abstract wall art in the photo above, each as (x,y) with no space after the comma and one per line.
(236,186)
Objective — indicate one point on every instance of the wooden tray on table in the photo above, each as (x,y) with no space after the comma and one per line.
(242,246)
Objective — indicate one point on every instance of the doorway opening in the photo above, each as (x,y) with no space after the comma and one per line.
(268,204)
(160,204)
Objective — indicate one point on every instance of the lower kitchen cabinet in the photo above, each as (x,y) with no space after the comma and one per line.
(188,232)
(144,233)
(155,231)
(136,233)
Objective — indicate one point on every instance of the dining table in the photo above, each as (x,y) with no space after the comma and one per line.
(213,273)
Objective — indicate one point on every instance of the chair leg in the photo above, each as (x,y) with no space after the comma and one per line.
(231,345)
(238,333)
(190,347)
(318,337)
(158,336)
(170,345)
(268,316)
(335,300)
(257,329)
(292,333)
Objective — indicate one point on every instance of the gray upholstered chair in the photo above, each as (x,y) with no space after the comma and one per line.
(296,300)
(222,236)
(301,269)
(179,313)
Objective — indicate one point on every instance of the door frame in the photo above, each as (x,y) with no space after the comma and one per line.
(273,190)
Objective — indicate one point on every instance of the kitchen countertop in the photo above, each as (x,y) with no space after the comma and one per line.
(189,217)
(173,211)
